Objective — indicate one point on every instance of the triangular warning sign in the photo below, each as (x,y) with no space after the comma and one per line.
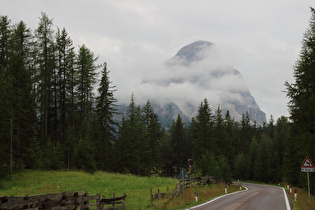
(307,163)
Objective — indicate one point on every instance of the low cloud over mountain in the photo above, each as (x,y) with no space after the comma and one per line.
(197,72)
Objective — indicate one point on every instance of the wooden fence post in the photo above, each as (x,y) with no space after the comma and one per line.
(124,199)
(151,196)
(114,201)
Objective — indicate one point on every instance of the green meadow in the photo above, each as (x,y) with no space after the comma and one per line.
(137,189)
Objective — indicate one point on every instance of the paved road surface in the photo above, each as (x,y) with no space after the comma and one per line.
(257,197)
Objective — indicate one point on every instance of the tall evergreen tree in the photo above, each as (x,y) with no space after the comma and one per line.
(21,102)
(64,100)
(46,64)
(154,134)
(282,130)
(5,140)
(302,99)
(204,127)
(133,141)
(64,67)
(178,144)
(245,133)
(86,69)
(106,107)
(221,141)
(5,32)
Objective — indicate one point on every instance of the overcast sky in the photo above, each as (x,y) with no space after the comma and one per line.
(261,39)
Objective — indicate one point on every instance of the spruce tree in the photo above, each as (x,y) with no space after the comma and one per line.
(153,135)
(46,64)
(86,70)
(64,66)
(204,128)
(21,102)
(5,86)
(301,94)
(133,141)
(106,108)
(178,144)
(245,133)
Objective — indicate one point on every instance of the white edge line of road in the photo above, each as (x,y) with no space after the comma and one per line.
(286,199)
(287,203)
(206,203)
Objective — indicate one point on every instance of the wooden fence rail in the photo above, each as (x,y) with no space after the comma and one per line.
(192,182)
(64,200)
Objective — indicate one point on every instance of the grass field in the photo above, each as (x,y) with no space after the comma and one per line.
(137,189)
(303,202)
(205,193)
(32,182)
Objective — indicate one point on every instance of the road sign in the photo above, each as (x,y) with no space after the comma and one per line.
(307,165)
(183,175)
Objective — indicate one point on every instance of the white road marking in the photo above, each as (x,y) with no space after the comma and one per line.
(286,200)
(203,204)
(287,203)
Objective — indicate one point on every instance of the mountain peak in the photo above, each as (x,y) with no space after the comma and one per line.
(196,72)
(193,52)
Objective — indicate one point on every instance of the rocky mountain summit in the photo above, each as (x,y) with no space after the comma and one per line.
(196,72)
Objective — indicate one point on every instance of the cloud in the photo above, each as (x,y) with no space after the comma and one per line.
(187,84)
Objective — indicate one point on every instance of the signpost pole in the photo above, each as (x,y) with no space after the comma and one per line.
(183,184)
(308,182)
(182,176)
(308,166)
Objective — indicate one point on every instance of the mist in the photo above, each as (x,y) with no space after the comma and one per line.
(188,82)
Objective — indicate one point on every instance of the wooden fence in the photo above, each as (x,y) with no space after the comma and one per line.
(192,182)
(60,201)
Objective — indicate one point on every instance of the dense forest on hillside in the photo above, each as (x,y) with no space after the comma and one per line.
(57,113)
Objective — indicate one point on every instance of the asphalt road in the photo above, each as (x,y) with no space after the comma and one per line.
(256,197)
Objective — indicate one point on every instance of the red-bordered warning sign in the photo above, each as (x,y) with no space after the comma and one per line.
(307,165)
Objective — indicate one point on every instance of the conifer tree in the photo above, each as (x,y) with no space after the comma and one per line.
(133,140)
(153,135)
(301,94)
(179,144)
(86,69)
(245,133)
(21,102)
(65,84)
(5,32)
(46,66)
(106,108)
(204,128)
(221,141)
(64,67)
(5,140)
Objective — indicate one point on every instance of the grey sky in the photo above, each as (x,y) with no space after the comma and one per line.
(261,39)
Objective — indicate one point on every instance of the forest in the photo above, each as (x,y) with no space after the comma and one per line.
(58,108)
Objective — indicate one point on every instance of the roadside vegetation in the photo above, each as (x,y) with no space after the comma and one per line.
(303,202)
(205,193)
(137,188)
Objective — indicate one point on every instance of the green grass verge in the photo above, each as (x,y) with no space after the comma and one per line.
(137,189)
